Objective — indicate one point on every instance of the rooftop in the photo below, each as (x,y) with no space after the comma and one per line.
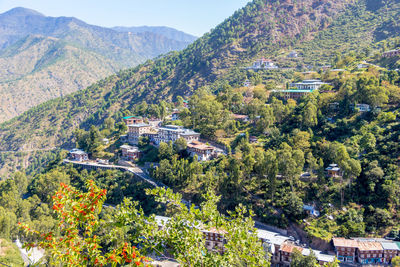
(343,242)
(289,248)
(200,145)
(271,237)
(128,117)
(77,151)
(139,125)
(389,245)
(367,246)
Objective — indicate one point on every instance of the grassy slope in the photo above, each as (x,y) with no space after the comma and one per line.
(254,31)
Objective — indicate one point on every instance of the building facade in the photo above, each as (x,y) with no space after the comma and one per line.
(132,120)
(173,132)
(308,85)
(130,153)
(135,131)
(78,155)
(203,151)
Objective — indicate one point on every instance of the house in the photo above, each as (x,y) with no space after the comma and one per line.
(308,85)
(135,131)
(203,151)
(390,250)
(333,171)
(132,120)
(391,53)
(78,155)
(130,152)
(334,106)
(105,141)
(363,107)
(311,210)
(370,252)
(293,54)
(345,249)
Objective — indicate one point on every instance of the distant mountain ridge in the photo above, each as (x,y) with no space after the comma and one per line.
(166,31)
(60,55)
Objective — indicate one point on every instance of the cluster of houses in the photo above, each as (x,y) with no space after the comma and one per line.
(366,251)
(137,128)
(278,246)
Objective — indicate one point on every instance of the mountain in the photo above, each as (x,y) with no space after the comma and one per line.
(318,30)
(45,57)
(168,32)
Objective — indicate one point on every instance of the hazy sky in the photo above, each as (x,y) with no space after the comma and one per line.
(192,16)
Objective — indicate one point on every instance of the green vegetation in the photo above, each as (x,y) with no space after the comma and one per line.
(9,254)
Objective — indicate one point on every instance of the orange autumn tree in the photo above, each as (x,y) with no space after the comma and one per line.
(77,245)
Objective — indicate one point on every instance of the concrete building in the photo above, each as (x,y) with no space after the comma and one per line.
(263,63)
(135,131)
(370,252)
(78,155)
(293,54)
(390,250)
(173,132)
(203,151)
(345,249)
(130,152)
(363,107)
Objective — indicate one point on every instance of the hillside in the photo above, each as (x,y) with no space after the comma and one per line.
(262,28)
(42,58)
(168,32)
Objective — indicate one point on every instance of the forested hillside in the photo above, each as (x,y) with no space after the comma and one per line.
(216,58)
(43,58)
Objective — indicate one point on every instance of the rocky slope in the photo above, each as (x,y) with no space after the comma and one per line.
(44,57)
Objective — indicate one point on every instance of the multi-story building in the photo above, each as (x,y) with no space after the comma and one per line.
(135,131)
(130,152)
(78,155)
(129,120)
(173,132)
(203,151)
(263,63)
(390,250)
(345,249)
(215,240)
(370,252)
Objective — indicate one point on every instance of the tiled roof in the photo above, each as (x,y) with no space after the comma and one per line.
(289,248)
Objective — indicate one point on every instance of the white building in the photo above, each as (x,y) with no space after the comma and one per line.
(203,151)
(173,133)
(135,131)
(78,155)
(308,85)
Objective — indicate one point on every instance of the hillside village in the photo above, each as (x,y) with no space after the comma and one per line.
(364,251)
(271,141)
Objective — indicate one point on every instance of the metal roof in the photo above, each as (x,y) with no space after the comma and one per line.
(389,245)
(343,242)
(138,125)
(367,246)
